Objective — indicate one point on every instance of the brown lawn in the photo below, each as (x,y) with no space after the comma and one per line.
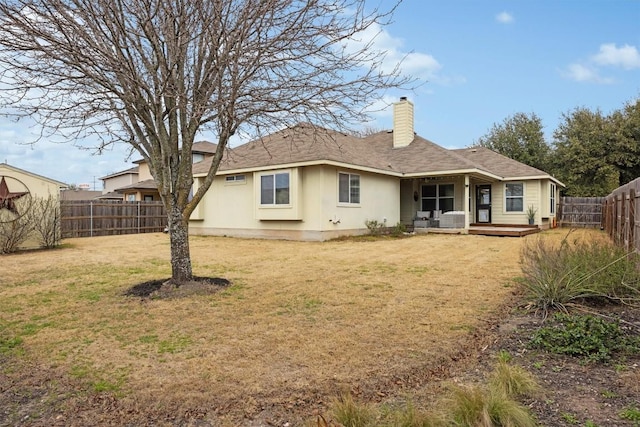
(300,323)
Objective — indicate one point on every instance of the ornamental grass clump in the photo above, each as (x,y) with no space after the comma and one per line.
(580,270)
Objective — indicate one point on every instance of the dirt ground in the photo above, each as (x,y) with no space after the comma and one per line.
(382,337)
(575,392)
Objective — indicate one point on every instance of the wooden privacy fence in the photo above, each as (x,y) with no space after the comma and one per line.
(620,219)
(580,212)
(85,218)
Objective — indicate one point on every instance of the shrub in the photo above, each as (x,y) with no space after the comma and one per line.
(14,233)
(591,338)
(557,275)
(375,227)
(399,229)
(45,217)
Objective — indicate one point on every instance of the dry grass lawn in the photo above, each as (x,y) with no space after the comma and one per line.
(301,321)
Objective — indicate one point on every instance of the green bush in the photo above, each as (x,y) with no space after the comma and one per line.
(375,227)
(557,275)
(591,338)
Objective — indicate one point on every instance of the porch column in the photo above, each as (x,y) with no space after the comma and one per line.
(467,205)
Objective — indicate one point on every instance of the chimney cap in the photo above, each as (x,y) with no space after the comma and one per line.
(403,98)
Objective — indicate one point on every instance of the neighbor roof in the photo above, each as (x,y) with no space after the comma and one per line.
(147,184)
(309,144)
(130,171)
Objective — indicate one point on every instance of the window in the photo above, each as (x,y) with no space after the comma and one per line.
(552,197)
(131,197)
(514,197)
(438,197)
(234,178)
(348,188)
(148,197)
(274,189)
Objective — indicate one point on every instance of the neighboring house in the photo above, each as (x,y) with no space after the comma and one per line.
(310,183)
(18,190)
(36,185)
(144,187)
(114,181)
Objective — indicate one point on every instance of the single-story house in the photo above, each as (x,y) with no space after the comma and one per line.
(311,183)
(142,186)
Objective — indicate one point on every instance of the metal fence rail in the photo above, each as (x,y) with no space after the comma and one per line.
(85,218)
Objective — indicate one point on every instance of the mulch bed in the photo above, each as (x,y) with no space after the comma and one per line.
(575,392)
(166,289)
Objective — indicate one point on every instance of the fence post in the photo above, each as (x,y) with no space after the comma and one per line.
(91,219)
(138,216)
(632,218)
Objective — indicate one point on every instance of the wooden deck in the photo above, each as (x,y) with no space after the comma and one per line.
(503,230)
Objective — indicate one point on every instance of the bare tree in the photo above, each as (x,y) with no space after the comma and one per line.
(154,73)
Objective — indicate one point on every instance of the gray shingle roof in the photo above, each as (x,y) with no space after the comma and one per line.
(497,163)
(306,143)
(147,184)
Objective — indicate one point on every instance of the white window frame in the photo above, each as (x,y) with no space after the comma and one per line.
(275,189)
(552,198)
(506,197)
(350,189)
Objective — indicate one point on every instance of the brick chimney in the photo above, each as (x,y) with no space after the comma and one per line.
(402,123)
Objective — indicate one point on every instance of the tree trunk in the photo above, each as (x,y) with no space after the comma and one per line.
(180,257)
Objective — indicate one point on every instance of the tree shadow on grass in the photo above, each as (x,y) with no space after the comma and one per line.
(167,289)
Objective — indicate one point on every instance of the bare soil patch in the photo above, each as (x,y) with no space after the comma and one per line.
(576,392)
(165,289)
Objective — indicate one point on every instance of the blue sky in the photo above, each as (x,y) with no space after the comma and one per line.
(482,62)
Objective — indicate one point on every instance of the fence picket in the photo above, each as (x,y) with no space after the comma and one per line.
(581,212)
(84,218)
(621,220)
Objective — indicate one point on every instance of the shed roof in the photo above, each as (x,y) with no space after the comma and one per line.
(35,175)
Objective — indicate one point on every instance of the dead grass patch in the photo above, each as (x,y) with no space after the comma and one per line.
(299,323)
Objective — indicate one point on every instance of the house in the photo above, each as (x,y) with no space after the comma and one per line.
(142,185)
(310,183)
(116,180)
(18,190)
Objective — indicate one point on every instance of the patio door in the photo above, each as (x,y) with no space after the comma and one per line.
(483,204)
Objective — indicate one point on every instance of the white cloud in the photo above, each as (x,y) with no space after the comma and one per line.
(585,74)
(504,18)
(626,57)
(417,64)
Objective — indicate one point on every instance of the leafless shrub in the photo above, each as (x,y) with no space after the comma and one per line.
(45,217)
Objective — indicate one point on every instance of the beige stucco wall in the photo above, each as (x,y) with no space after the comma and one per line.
(233,208)
(38,187)
(144,172)
(111,184)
